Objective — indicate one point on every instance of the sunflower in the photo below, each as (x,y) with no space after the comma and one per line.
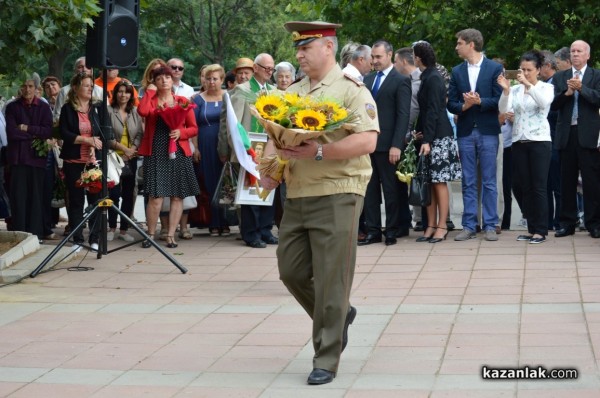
(271,107)
(294,100)
(310,119)
(333,111)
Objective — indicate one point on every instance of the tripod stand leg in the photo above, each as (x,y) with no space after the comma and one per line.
(145,235)
(62,243)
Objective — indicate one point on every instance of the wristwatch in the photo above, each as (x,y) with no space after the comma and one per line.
(319,152)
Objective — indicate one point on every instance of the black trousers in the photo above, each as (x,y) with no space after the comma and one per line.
(507,186)
(531,162)
(125,191)
(395,195)
(573,159)
(554,191)
(77,201)
(257,222)
(27,199)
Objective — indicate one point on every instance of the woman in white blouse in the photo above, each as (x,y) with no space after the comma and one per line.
(530,101)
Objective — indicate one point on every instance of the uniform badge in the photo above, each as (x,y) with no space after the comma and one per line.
(371,110)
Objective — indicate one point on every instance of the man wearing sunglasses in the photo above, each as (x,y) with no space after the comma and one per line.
(180,87)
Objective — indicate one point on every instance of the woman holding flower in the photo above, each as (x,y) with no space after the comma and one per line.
(79,126)
(168,169)
(28,121)
(438,141)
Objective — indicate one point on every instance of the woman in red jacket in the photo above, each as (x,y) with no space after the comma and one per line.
(166,175)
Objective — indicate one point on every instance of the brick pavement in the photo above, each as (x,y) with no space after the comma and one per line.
(429,316)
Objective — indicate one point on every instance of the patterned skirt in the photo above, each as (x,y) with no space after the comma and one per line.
(445,164)
(164,177)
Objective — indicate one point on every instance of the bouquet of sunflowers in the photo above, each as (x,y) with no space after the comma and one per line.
(408,164)
(91,180)
(290,119)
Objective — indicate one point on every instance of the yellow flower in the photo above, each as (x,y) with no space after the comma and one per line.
(271,107)
(295,101)
(309,119)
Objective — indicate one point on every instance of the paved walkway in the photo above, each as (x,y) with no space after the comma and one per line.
(429,317)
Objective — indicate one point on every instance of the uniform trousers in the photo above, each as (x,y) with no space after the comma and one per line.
(316,258)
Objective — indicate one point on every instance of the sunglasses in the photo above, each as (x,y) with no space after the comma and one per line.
(179,68)
(269,70)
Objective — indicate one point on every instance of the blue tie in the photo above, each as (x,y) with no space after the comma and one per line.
(576,100)
(377,83)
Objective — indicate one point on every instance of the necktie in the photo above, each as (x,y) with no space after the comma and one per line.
(377,83)
(576,100)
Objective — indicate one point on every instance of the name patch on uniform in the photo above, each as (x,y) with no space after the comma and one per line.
(371,110)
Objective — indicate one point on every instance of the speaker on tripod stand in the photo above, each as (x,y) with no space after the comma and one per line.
(112,43)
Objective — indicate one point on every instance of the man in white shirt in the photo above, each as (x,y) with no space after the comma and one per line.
(360,62)
(180,87)
(62,96)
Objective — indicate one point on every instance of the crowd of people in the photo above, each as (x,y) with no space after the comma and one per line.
(531,138)
(520,138)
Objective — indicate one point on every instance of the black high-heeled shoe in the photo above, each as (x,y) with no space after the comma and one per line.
(146,243)
(171,242)
(426,238)
(436,240)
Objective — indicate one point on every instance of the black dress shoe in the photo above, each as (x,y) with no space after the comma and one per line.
(450,225)
(402,232)
(271,240)
(369,239)
(390,241)
(535,241)
(565,231)
(595,233)
(419,227)
(320,376)
(349,319)
(257,244)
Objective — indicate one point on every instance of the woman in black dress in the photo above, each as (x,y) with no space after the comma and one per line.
(165,176)
(438,141)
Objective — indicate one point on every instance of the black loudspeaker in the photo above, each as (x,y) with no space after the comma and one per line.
(112,42)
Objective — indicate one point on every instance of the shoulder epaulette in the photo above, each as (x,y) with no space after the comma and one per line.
(352,78)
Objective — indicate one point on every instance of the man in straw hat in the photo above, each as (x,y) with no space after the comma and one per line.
(327,181)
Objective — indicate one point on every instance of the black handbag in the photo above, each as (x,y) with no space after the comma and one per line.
(420,185)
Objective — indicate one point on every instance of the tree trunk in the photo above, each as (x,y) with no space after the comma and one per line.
(56,63)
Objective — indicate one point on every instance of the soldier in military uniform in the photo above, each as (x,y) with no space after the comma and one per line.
(326,185)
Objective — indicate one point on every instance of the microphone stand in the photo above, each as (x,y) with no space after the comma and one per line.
(105,203)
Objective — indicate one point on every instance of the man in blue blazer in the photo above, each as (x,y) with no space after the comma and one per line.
(473,95)
(392,94)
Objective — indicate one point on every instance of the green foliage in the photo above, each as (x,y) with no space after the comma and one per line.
(41,147)
(509,27)
(33,31)
(43,35)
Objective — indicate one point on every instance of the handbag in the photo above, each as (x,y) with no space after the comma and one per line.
(114,167)
(226,187)
(420,184)
(189,202)
(224,196)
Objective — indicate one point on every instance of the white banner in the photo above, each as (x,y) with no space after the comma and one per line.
(233,126)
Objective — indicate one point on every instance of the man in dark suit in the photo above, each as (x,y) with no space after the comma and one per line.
(577,100)
(473,95)
(392,94)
